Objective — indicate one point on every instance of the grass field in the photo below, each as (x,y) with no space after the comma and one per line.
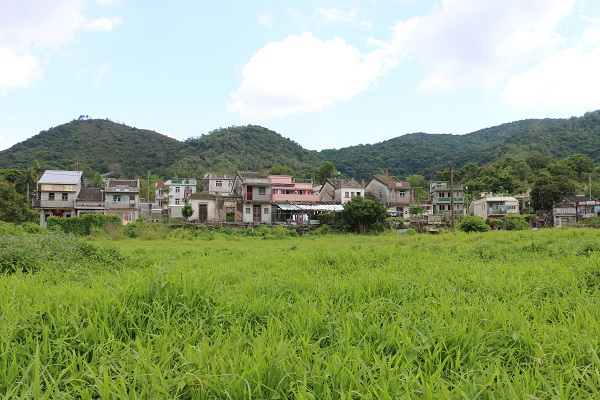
(498,315)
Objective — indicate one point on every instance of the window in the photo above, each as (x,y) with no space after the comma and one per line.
(401,194)
(230,183)
(160,192)
(219,183)
(400,209)
(351,194)
(266,210)
(358,194)
(176,202)
(346,194)
(65,196)
(262,191)
(51,196)
(248,210)
(380,195)
(116,198)
(177,189)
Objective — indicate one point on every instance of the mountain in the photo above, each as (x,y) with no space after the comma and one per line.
(425,154)
(106,146)
(101,145)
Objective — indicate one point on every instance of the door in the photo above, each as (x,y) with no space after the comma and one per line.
(248,192)
(256,216)
(202,212)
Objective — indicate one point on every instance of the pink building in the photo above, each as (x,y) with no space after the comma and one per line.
(284,189)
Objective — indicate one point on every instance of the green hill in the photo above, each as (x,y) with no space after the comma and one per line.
(105,146)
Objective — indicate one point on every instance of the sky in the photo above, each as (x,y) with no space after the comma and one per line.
(326,74)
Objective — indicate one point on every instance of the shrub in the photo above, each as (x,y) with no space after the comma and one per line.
(516,223)
(324,218)
(473,223)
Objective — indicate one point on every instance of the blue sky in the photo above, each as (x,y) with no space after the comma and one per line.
(326,74)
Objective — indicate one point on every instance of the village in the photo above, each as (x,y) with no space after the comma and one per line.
(259,198)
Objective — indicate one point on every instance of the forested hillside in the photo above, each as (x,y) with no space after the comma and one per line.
(426,154)
(99,145)
(104,146)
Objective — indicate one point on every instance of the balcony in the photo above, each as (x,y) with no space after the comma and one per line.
(446,200)
(121,205)
(56,204)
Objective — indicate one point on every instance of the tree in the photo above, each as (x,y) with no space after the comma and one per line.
(416,210)
(187,211)
(14,207)
(282,170)
(363,215)
(580,163)
(419,186)
(325,171)
(547,190)
(473,223)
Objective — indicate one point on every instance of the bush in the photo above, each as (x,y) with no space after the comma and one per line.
(516,223)
(473,223)
(83,226)
(324,218)
(363,215)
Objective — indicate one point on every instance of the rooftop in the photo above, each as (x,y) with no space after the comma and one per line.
(65,177)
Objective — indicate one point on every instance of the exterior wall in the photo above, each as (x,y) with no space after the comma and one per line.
(327,193)
(493,207)
(265,213)
(284,189)
(441,192)
(345,194)
(212,211)
(218,183)
(179,190)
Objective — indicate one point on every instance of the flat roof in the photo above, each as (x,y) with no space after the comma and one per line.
(56,176)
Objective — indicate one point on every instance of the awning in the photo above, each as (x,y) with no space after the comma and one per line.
(311,207)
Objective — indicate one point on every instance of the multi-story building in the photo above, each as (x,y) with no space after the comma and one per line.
(443,196)
(254,188)
(56,194)
(176,191)
(340,191)
(492,206)
(122,198)
(395,194)
(575,208)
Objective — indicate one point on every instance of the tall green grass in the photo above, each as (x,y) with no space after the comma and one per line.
(487,316)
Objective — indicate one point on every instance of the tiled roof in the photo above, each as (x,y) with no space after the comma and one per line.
(386,178)
(202,196)
(90,194)
(64,177)
(122,182)
(252,175)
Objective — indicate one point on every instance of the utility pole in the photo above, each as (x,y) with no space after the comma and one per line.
(451,198)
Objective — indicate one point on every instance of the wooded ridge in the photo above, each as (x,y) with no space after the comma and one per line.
(104,146)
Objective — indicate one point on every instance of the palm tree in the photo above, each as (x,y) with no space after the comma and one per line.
(28,178)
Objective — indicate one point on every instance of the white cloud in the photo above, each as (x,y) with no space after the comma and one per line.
(335,15)
(569,77)
(303,73)
(17,70)
(31,31)
(103,24)
(479,41)
(102,71)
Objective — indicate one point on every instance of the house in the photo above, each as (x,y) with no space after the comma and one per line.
(572,209)
(493,206)
(176,191)
(293,201)
(444,196)
(285,189)
(219,184)
(122,198)
(395,194)
(56,194)
(254,190)
(340,191)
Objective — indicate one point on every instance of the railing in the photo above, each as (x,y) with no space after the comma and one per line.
(121,205)
(445,188)
(447,199)
(52,203)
